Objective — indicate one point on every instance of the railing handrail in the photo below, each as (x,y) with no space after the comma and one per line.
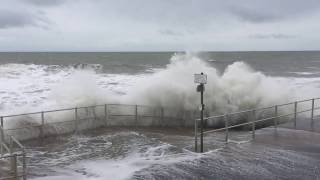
(17,168)
(12,146)
(253,119)
(257,109)
(9,153)
(258,120)
(67,109)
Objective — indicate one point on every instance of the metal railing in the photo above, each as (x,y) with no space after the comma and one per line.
(116,114)
(12,157)
(252,117)
(16,167)
(68,120)
(77,119)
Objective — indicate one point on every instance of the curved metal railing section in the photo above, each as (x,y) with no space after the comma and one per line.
(289,111)
(45,123)
(52,122)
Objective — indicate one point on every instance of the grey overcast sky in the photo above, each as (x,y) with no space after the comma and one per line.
(159,25)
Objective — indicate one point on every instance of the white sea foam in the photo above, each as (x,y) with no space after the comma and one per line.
(238,87)
(29,88)
(124,167)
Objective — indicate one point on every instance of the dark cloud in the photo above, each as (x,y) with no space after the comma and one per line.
(11,19)
(45,2)
(253,16)
(169,32)
(201,12)
(272,36)
(260,11)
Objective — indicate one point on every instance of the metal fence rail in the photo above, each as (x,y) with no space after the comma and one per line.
(12,157)
(15,168)
(44,123)
(52,122)
(252,119)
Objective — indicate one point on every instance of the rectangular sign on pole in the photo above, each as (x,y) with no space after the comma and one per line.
(200,78)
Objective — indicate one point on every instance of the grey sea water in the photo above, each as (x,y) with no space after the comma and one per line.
(48,80)
(279,63)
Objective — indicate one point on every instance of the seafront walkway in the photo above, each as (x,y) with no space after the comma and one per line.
(298,115)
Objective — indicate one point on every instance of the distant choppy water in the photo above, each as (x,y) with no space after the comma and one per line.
(37,81)
(296,64)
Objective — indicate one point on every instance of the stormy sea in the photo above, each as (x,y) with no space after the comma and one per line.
(40,81)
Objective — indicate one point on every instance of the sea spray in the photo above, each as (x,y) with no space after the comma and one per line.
(79,89)
(238,87)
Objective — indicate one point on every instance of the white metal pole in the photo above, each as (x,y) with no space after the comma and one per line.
(295,114)
(312,115)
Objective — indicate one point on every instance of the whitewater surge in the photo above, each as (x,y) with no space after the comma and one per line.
(29,88)
(238,87)
(159,153)
(149,155)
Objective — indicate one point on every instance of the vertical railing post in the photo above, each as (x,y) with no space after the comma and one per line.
(1,149)
(1,119)
(226,124)
(106,114)
(136,115)
(195,136)
(253,116)
(94,113)
(155,118)
(42,126)
(182,119)
(2,126)
(76,120)
(10,145)
(2,136)
(24,165)
(161,116)
(295,114)
(13,159)
(14,165)
(312,115)
(276,116)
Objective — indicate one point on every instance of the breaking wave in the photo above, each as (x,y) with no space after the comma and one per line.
(238,87)
(30,88)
